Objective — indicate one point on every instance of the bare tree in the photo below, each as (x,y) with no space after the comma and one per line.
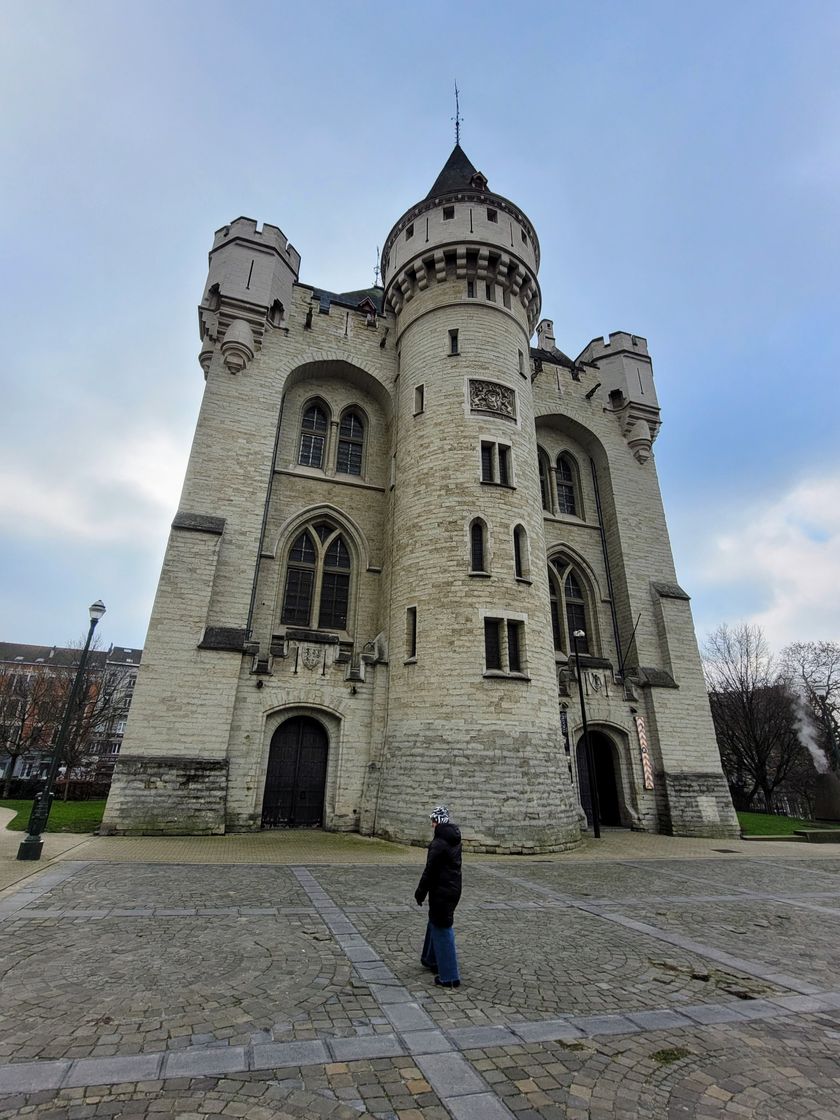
(753,708)
(29,703)
(101,702)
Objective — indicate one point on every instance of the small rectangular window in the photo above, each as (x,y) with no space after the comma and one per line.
(409,231)
(492,215)
(490,292)
(419,399)
(453,342)
(504,465)
(506,298)
(524,236)
(471,289)
(514,642)
(448,213)
(487,473)
(521,363)
(492,643)
(410,632)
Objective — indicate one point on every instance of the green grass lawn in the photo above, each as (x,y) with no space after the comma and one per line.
(65,816)
(769,824)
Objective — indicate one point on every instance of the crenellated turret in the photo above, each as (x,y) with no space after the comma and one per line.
(249,288)
(626,374)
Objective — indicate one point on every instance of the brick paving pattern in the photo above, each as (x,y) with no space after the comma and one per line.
(593,990)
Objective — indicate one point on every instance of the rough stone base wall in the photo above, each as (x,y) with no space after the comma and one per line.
(697,804)
(508,793)
(169,796)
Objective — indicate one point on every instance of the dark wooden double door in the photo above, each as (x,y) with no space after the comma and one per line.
(296,775)
(605,777)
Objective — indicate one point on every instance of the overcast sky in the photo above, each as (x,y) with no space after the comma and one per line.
(681,164)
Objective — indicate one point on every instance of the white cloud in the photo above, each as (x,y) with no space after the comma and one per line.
(120,492)
(787,552)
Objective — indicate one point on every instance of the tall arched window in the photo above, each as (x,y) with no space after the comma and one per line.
(566,486)
(317,590)
(313,436)
(545,480)
(478,547)
(570,607)
(521,561)
(351,442)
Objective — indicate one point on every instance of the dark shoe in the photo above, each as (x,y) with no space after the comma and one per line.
(430,967)
(447,983)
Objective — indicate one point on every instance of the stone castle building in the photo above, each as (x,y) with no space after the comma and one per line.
(396,514)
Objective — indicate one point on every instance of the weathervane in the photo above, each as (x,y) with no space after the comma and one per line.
(376,270)
(457,118)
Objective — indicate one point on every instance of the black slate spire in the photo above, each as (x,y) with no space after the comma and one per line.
(458,174)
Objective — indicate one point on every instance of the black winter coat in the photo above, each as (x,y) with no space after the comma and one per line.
(441,878)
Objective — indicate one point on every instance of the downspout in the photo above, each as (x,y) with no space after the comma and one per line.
(268,493)
(613,614)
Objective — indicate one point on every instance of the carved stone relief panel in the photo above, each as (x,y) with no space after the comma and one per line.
(489,396)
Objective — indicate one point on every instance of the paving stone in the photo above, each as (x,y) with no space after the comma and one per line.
(657,1020)
(480,1106)
(408,1017)
(713,1013)
(108,1071)
(549,1030)
(30,1077)
(375,1046)
(603,1024)
(277,1055)
(205,1061)
(468,1038)
(426,1042)
(450,1075)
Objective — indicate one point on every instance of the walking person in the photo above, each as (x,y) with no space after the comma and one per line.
(441,881)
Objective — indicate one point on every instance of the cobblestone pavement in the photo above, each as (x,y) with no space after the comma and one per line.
(663,988)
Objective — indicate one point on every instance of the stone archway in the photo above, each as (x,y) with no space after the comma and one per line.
(607,778)
(295,780)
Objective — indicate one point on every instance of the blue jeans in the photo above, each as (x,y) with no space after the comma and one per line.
(439,952)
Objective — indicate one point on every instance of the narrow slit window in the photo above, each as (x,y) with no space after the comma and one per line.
(453,342)
(521,362)
(490,292)
(520,553)
(410,632)
(471,289)
(477,548)
(419,399)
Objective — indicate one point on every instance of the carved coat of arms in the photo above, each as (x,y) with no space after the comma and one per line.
(311,657)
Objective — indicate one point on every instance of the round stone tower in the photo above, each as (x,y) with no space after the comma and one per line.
(473,716)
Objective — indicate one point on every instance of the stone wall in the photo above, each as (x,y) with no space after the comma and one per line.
(167,795)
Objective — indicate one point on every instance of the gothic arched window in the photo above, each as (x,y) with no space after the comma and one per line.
(521,560)
(570,607)
(351,442)
(478,546)
(567,499)
(317,590)
(313,436)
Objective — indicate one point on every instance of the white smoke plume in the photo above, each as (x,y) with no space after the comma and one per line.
(808,734)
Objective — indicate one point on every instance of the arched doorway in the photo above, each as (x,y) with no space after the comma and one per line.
(606,779)
(296,775)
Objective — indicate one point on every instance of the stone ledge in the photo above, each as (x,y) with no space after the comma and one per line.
(230,639)
(199,523)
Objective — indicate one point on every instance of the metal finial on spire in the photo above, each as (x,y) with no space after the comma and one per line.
(457,118)
(376,270)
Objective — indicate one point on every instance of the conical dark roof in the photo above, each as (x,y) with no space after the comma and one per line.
(457,174)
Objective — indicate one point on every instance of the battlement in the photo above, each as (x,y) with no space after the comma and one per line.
(616,343)
(269,237)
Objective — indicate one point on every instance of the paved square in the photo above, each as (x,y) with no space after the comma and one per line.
(592,989)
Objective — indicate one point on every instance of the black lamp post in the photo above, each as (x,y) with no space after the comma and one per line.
(587,745)
(821,693)
(31,845)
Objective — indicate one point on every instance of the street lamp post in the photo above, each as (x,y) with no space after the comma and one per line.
(32,844)
(821,693)
(587,745)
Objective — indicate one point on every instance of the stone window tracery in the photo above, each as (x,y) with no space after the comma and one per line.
(570,607)
(317,588)
(568,501)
